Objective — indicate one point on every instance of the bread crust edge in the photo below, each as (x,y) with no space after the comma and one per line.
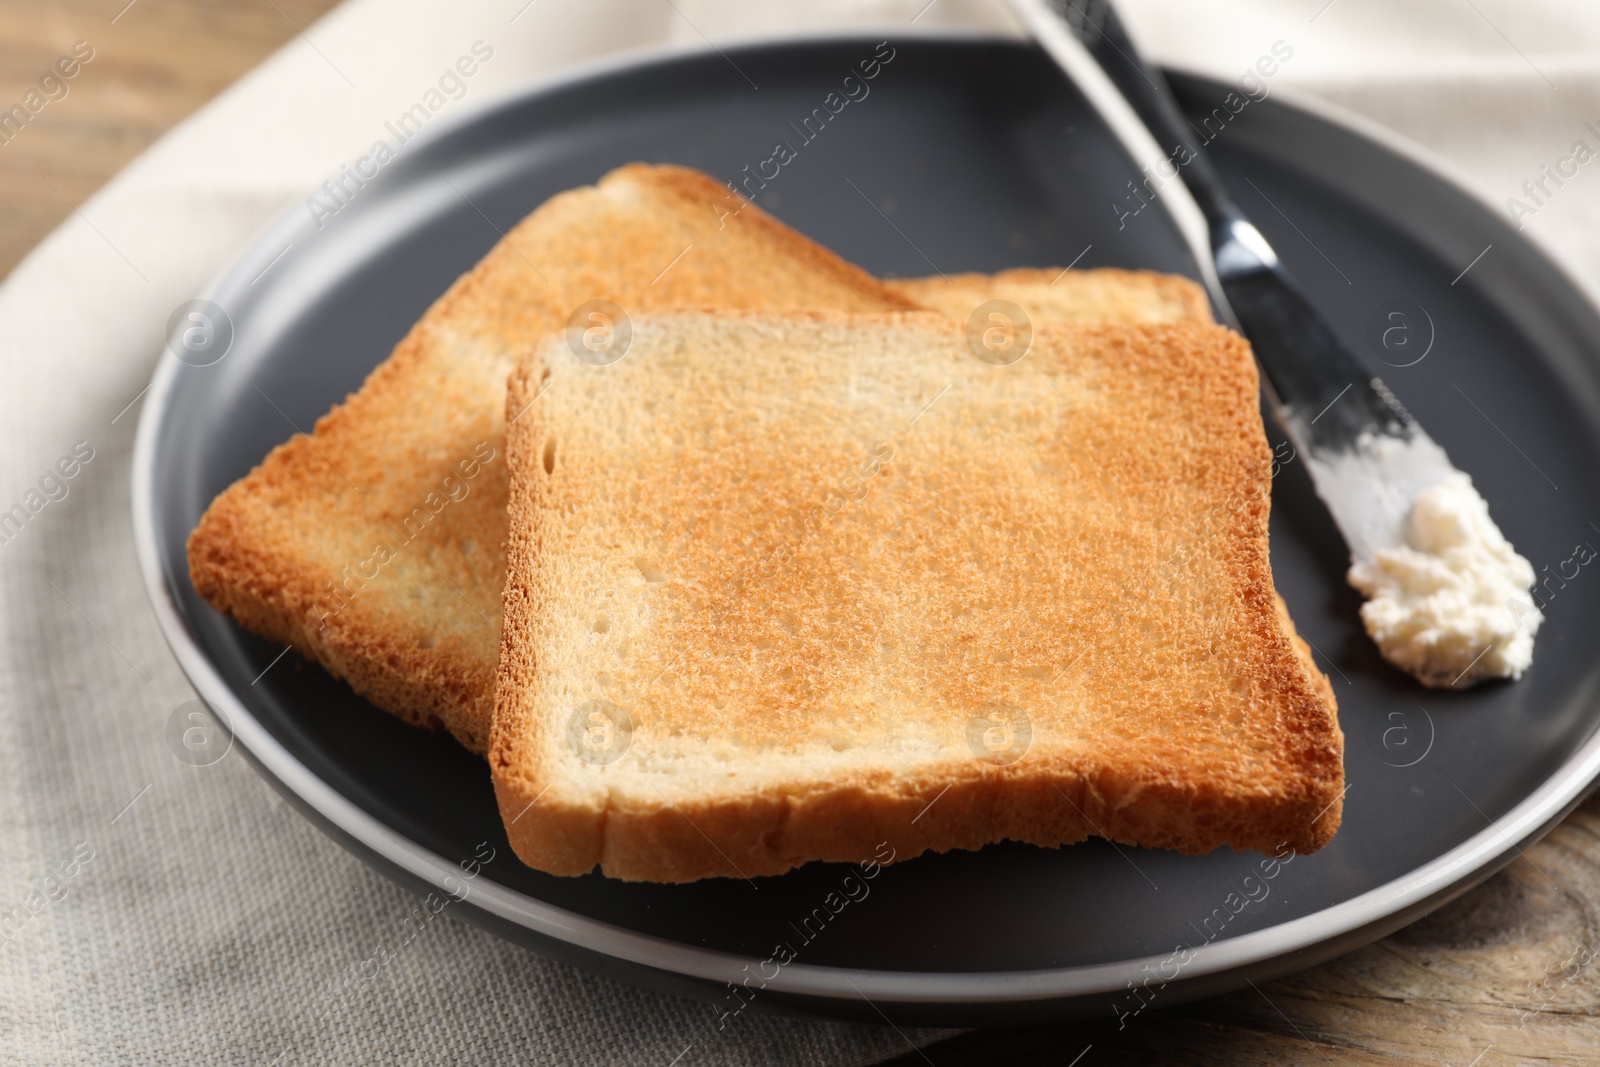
(959,806)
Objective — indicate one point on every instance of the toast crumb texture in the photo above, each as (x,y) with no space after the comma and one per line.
(869,588)
(1103,296)
(375,545)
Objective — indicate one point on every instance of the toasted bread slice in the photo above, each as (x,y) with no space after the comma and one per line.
(375,545)
(1104,295)
(872,588)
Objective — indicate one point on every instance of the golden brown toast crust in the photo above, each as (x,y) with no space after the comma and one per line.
(1206,723)
(1104,295)
(367,547)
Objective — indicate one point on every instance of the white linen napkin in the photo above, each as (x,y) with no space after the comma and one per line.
(158,912)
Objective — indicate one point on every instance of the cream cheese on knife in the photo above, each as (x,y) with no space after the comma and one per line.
(1451,604)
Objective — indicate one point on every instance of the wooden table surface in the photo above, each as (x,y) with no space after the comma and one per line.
(1510,973)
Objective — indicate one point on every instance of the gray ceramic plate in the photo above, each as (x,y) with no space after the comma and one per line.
(966,155)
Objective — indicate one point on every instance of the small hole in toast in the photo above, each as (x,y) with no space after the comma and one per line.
(550,456)
(649,571)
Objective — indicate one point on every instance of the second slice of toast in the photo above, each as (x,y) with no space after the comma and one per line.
(1102,296)
(782,589)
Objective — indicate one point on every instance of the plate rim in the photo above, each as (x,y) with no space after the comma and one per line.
(1438,880)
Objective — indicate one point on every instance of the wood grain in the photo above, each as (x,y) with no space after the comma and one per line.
(1507,974)
(159,61)
(1510,973)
